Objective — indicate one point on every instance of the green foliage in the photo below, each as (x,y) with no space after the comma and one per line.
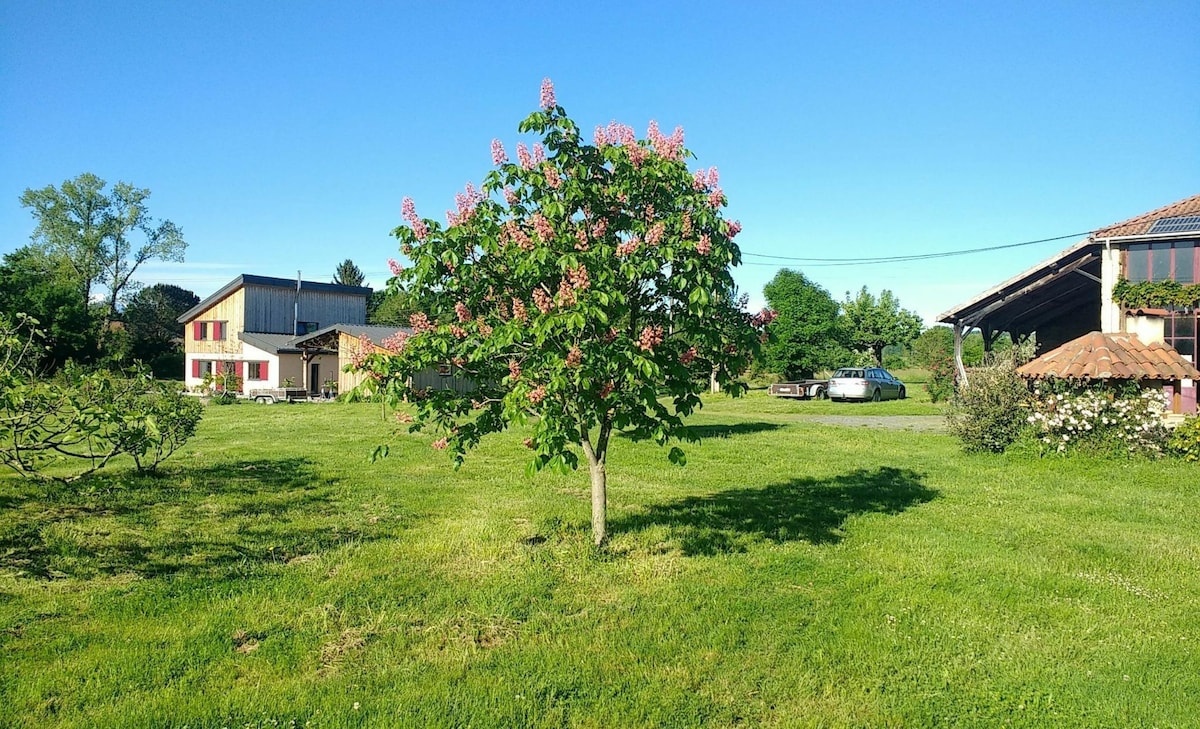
(151,320)
(34,283)
(1184,441)
(1114,419)
(871,324)
(576,287)
(101,237)
(988,412)
(391,306)
(71,425)
(805,334)
(348,274)
(1156,294)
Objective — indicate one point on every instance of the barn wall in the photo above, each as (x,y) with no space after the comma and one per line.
(272,309)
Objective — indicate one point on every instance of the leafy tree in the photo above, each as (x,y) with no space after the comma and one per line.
(390,307)
(151,319)
(102,237)
(871,324)
(33,283)
(348,274)
(580,284)
(805,334)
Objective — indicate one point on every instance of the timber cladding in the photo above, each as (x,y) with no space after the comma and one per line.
(230,312)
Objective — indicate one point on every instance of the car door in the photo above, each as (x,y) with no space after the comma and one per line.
(891,387)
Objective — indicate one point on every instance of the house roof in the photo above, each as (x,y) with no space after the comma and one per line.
(1097,356)
(247,279)
(1033,291)
(273,343)
(1141,224)
(326,337)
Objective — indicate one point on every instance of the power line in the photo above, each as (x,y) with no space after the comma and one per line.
(894,259)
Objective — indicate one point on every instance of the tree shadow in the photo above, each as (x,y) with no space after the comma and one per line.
(805,509)
(724,430)
(222,519)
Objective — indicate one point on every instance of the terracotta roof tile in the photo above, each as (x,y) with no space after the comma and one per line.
(1140,224)
(1097,356)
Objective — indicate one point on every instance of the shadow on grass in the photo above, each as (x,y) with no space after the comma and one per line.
(224,519)
(724,430)
(805,509)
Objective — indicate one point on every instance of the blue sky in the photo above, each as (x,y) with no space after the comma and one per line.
(283,136)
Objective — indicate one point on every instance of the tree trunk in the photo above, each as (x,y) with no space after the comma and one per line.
(877,352)
(595,458)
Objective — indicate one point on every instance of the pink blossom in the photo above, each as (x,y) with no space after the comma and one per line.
(699,181)
(440,444)
(542,300)
(528,443)
(510,196)
(581,239)
(523,156)
(626,248)
(716,198)
(667,147)
(406,249)
(599,138)
(359,351)
(611,335)
(458,331)
(578,277)
(734,227)
(537,394)
(397,269)
(548,102)
(607,389)
(485,330)
(539,152)
(704,245)
(687,357)
(651,337)
(542,227)
(655,234)
(574,357)
(519,312)
(637,154)
(566,294)
(714,177)
(420,322)
(395,342)
(463,313)
(408,210)
(599,228)
(552,178)
(516,234)
(514,370)
(686,225)
(498,155)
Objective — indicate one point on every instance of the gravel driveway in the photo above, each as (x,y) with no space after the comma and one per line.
(920,423)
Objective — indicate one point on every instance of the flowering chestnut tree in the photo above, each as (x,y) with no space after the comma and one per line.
(584,288)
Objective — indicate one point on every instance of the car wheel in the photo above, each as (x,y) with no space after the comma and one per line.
(902,393)
(875,395)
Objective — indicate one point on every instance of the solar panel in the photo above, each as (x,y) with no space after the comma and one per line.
(1180,224)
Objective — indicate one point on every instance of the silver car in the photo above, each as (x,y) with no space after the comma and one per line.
(865,383)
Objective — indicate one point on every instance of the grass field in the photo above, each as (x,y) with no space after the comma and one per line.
(792,574)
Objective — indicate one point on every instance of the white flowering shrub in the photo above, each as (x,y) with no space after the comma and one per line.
(1097,419)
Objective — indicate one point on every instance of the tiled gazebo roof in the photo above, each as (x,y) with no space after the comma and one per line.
(1097,356)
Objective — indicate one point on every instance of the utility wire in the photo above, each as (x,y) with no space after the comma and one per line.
(894,259)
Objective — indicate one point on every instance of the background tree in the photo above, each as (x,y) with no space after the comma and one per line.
(805,334)
(155,334)
(871,324)
(35,284)
(102,238)
(348,274)
(390,307)
(577,286)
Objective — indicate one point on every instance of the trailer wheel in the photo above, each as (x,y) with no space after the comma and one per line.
(821,394)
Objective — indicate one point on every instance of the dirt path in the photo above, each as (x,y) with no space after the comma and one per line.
(920,423)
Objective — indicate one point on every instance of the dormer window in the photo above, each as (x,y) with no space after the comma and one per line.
(206,331)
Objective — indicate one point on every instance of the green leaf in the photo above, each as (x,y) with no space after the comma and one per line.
(677,456)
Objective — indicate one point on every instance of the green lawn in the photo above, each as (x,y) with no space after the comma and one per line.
(792,574)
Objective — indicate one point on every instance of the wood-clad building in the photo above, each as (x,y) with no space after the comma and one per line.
(347,341)
(247,327)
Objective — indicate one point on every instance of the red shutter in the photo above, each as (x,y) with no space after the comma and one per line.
(195,368)
(262,371)
(197,331)
(238,369)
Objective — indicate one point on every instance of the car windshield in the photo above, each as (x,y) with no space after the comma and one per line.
(848,373)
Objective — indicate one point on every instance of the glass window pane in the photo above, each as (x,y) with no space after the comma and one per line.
(1185,347)
(1160,261)
(1137,262)
(1185,326)
(1185,263)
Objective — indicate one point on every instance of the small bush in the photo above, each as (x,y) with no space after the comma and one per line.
(988,411)
(1098,419)
(1185,440)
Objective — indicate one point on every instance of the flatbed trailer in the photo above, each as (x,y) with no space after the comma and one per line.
(273,395)
(801,389)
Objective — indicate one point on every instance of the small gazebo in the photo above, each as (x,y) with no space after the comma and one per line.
(1096,356)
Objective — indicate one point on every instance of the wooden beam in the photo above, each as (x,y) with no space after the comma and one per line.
(958,352)
(1006,299)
